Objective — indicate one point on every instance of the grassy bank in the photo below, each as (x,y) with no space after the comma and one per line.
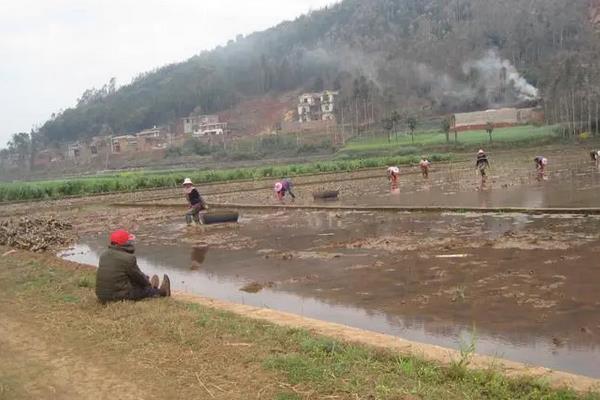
(131,181)
(434,140)
(169,349)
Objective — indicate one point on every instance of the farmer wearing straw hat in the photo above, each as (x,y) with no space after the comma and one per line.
(195,201)
(482,164)
(282,187)
(424,164)
(118,276)
(393,173)
(540,166)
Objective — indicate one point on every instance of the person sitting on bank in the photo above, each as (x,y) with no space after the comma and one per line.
(195,201)
(118,276)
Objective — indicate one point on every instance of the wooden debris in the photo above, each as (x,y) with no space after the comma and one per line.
(35,234)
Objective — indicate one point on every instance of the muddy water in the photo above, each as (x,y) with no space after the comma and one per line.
(526,286)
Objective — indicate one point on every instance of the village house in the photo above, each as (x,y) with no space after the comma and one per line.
(74,150)
(123,144)
(99,145)
(503,117)
(317,106)
(151,139)
(204,126)
(85,151)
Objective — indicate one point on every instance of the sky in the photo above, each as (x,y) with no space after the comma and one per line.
(51,51)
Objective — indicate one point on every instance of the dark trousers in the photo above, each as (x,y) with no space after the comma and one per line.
(193,213)
(140,293)
(135,294)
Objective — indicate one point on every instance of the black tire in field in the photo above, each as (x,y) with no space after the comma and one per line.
(326,194)
(220,217)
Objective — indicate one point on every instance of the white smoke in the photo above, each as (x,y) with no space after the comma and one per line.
(500,75)
(489,81)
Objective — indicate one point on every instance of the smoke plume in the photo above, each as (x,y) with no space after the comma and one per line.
(489,81)
(500,78)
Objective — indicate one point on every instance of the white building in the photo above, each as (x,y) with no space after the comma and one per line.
(215,129)
(317,106)
(195,124)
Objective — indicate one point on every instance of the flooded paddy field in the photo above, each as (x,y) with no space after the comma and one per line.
(570,182)
(521,287)
(524,286)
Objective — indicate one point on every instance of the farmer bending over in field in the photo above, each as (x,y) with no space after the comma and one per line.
(393,173)
(282,187)
(195,201)
(482,164)
(540,166)
(424,164)
(118,276)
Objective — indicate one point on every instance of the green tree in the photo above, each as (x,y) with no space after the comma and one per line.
(489,128)
(411,122)
(4,154)
(20,144)
(395,118)
(446,125)
(388,125)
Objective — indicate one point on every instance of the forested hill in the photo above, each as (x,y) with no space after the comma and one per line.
(436,55)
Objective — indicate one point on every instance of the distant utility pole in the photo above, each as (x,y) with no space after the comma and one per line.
(108,151)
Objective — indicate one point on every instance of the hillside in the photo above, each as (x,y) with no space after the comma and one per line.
(426,56)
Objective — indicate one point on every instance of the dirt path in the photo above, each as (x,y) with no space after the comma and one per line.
(57,342)
(35,369)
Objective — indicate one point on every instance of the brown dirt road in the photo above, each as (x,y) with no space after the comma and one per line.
(53,372)
(57,342)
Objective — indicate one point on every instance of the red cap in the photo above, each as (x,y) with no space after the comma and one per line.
(121,237)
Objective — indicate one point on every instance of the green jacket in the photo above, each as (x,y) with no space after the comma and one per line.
(118,273)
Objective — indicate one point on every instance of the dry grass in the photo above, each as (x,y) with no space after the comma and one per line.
(166,349)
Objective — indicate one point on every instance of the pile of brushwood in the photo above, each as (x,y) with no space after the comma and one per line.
(36,234)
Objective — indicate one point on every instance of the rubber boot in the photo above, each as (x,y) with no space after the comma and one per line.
(165,287)
(154,282)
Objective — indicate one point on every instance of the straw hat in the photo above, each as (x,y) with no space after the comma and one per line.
(187,181)
(278,187)
(481,151)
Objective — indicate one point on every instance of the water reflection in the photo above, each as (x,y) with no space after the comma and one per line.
(197,257)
